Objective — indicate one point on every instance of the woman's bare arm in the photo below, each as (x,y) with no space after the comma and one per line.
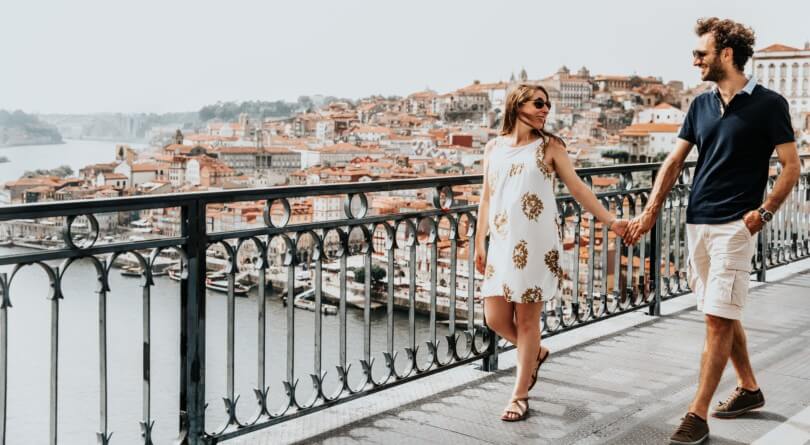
(482,223)
(579,190)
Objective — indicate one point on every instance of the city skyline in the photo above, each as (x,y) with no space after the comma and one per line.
(91,56)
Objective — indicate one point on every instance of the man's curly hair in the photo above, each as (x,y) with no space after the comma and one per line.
(729,34)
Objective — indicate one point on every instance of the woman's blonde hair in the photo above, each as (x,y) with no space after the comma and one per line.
(517,97)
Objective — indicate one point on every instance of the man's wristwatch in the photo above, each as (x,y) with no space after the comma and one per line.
(766,214)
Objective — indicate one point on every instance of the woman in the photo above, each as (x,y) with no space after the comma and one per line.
(519,212)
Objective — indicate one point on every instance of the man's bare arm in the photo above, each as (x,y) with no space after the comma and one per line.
(791,169)
(664,181)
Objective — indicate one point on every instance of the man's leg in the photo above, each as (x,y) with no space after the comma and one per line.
(739,357)
(716,352)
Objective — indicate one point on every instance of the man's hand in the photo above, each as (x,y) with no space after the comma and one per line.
(639,225)
(753,221)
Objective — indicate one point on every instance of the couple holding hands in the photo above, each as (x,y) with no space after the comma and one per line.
(736,127)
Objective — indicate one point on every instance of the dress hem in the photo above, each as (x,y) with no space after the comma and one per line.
(501,296)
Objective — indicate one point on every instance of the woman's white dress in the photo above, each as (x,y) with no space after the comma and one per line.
(523,257)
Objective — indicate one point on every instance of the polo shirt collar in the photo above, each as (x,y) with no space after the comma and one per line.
(747,89)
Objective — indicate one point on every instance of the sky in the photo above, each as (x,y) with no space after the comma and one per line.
(83,56)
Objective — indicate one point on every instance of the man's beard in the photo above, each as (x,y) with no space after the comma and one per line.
(715,73)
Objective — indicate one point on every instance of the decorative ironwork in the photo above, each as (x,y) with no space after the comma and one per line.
(427,255)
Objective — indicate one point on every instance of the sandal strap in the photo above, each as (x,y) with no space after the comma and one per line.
(523,407)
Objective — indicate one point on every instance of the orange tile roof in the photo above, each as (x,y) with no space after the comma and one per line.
(604,181)
(644,129)
(248,150)
(371,129)
(423,94)
(35,181)
(41,189)
(147,167)
(344,147)
(483,87)
(777,47)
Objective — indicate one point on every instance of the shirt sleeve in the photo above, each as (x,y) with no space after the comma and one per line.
(688,128)
(780,130)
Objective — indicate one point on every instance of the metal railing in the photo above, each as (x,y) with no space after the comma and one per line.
(434,305)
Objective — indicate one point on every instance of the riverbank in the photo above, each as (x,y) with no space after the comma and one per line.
(29,143)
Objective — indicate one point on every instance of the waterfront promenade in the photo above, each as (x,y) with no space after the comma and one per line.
(623,381)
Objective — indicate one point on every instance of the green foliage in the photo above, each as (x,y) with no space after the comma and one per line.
(378,273)
(62,171)
(230,111)
(616,155)
(27,124)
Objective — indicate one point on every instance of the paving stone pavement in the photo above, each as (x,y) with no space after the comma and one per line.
(630,387)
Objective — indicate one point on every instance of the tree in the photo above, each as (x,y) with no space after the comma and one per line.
(635,81)
(377,274)
(618,156)
(62,171)
(305,102)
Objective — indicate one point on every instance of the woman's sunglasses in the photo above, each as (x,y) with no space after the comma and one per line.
(540,103)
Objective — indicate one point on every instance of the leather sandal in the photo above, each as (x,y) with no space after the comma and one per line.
(542,355)
(521,413)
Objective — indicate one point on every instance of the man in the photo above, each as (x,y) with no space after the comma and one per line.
(736,128)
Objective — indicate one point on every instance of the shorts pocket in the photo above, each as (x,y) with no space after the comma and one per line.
(691,274)
(739,288)
(745,230)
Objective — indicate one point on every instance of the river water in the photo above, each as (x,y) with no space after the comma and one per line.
(29,343)
(75,153)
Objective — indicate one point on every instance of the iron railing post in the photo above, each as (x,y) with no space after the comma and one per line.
(762,249)
(655,260)
(192,325)
(655,266)
(762,254)
(490,361)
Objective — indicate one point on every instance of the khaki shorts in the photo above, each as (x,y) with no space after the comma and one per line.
(719,266)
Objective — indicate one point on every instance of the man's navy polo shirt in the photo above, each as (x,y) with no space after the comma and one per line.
(734,145)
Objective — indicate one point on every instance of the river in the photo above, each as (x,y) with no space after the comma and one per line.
(29,335)
(75,153)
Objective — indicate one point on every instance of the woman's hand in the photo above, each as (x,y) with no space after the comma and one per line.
(480,257)
(619,227)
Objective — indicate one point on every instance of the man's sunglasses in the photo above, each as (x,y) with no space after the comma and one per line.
(540,103)
(698,54)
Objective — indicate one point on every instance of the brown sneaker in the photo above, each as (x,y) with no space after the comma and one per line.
(693,430)
(739,402)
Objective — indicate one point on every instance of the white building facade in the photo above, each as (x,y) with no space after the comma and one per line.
(786,70)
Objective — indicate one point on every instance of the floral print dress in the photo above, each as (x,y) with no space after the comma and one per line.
(523,256)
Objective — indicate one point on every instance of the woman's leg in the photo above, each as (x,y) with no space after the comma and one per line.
(500,315)
(527,317)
